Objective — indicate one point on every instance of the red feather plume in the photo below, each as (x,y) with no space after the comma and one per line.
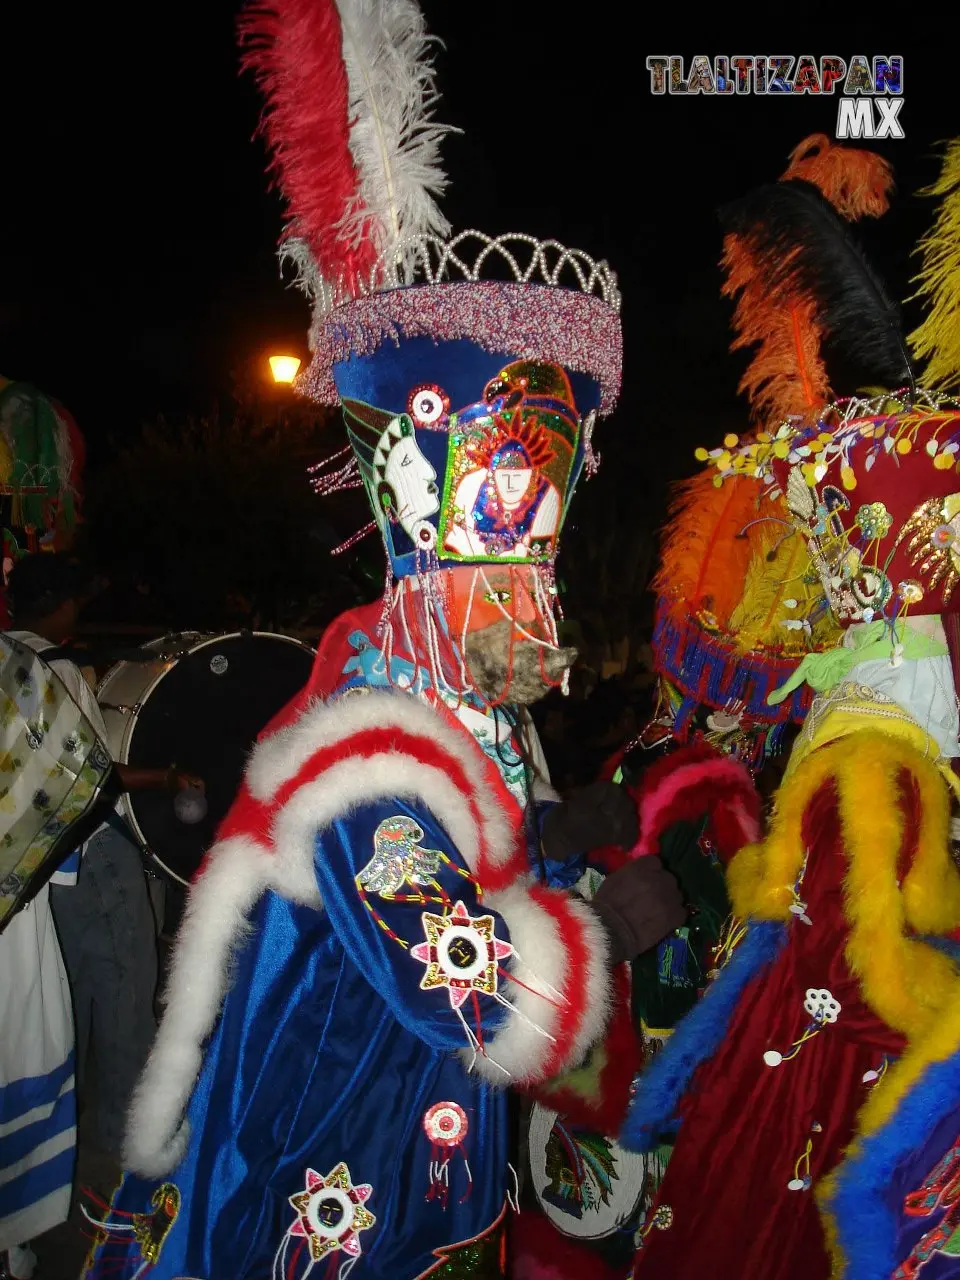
(295,51)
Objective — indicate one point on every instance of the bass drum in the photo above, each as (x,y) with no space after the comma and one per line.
(200,711)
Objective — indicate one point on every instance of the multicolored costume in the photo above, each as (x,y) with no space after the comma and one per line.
(816,1060)
(831,1009)
(365,960)
(900,1193)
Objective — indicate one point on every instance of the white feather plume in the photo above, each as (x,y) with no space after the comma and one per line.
(295,253)
(394,141)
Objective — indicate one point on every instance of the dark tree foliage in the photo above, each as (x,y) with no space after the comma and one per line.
(211,523)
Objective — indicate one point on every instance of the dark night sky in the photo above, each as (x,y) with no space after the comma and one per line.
(138,235)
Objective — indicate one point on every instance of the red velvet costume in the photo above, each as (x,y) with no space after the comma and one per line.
(739,1147)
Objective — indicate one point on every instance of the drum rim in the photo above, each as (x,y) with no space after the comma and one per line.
(168,665)
(125,662)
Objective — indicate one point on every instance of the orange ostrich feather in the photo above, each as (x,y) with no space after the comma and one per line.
(703,561)
(787,376)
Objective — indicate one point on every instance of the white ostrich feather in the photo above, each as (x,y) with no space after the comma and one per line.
(296,253)
(394,141)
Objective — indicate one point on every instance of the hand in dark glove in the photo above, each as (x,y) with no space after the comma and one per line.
(638,905)
(600,814)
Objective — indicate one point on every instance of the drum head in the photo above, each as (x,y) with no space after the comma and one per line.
(587,1185)
(203,715)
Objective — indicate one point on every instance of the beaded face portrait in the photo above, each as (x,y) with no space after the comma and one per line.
(510,466)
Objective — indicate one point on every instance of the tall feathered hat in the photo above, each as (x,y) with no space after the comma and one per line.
(738,605)
(471,370)
(872,483)
(872,488)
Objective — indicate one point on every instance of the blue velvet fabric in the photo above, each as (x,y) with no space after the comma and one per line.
(385,379)
(875,1234)
(462,369)
(327,1050)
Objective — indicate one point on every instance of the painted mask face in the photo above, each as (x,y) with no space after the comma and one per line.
(502,618)
(484,595)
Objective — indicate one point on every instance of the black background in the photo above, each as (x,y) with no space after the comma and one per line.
(138,234)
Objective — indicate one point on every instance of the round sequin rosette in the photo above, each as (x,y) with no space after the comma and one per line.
(446,1124)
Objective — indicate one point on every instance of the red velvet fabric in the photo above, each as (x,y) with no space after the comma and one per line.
(539,1252)
(901,482)
(745,1124)
(333,652)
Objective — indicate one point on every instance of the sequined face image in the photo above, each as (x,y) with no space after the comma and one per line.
(509,466)
(508,508)
(399,478)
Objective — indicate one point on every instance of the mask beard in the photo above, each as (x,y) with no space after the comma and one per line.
(533,672)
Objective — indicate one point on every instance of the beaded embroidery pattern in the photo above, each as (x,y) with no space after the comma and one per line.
(851,546)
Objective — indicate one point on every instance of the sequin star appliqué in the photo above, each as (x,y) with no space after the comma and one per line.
(461,953)
(331,1213)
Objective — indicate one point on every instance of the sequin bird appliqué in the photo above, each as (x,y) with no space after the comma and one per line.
(398,858)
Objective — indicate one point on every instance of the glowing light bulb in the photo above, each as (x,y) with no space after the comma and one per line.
(284,368)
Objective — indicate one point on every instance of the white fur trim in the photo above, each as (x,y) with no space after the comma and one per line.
(543,963)
(344,788)
(214,924)
(240,868)
(279,758)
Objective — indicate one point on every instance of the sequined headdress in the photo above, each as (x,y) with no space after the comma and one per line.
(873,489)
(738,605)
(871,484)
(469,399)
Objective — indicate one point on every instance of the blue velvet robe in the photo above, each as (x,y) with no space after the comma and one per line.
(329,1052)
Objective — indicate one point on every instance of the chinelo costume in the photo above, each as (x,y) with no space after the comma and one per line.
(735,617)
(816,1060)
(729,631)
(366,961)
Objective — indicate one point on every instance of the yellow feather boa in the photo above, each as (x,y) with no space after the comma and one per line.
(910,985)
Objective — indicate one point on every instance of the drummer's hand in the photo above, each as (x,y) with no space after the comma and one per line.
(178,781)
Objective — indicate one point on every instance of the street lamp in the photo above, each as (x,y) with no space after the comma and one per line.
(284,368)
